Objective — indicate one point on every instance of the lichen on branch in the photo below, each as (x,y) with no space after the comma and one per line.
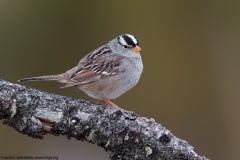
(124,135)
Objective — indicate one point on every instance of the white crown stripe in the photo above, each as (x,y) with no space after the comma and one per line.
(133,38)
(122,41)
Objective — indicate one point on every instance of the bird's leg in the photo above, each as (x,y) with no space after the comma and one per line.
(107,101)
(110,103)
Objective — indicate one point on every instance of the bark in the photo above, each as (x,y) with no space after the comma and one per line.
(124,135)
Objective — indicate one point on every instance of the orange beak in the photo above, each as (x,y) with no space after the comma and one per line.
(136,49)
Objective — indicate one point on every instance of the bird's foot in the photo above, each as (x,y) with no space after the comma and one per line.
(108,102)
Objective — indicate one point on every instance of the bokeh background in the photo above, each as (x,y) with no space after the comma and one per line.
(190,82)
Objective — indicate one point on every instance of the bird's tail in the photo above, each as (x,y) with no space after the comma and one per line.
(58,77)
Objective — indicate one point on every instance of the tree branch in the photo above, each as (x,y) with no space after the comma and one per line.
(124,135)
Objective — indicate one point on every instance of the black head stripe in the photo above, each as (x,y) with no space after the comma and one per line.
(129,40)
(118,39)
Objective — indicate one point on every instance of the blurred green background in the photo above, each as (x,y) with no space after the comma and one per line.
(190,82)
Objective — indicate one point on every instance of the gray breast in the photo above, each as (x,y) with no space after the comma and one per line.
(116,85)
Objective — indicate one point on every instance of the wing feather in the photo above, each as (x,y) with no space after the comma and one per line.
(94,66)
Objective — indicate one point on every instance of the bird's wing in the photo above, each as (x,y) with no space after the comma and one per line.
(94,66)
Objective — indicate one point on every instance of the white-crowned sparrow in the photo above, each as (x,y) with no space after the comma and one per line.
(105,73)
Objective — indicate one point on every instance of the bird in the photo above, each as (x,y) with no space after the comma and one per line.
(105,73)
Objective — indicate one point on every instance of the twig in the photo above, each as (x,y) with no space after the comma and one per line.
(124,135)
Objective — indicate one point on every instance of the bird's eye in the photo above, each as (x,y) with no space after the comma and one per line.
(125,46)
